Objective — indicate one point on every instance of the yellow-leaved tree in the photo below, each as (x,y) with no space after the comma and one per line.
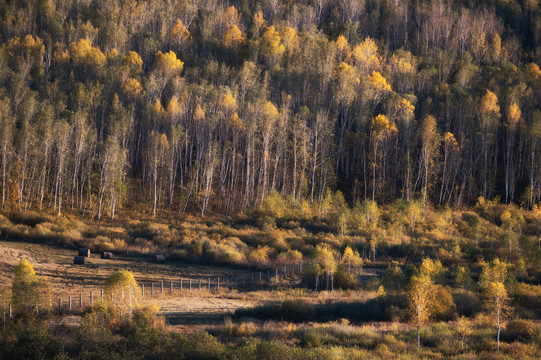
(122,294)
(365,56)
(324,263)
(179,35)
(271,46)
(498,306)
(28,293)
(420,295)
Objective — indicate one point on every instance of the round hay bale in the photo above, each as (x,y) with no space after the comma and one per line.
(79,260)
(107,255)
(84,252)
(159,259)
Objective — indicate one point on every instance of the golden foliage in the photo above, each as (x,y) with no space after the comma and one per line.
(400,64)
(406,109)
(168,64)
(132,88)
(270,111)
(450,140)
(271,43)
(174,107)
(379,82)
(230,16)
(133,62)
(199,113)
(122,293)
(83,53)
(365,55)
(179,34)
(290,38)
(513,115)
(235,121)
(233,37)
(228,101)
(342,44)
(258,21)
(382,125)
(489,104)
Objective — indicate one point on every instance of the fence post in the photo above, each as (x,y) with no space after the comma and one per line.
(91,299)
(276,275)
(59,306)
(199,284)
(11,310)
(180,284)
(292,269)
(102,293)
(218,283)
(81,300)
(285,271)
(208,283)
(161,286)
(143,287)
(69,303)
(151,289)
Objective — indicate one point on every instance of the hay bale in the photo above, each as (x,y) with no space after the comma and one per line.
(159,259)
(84,252)
(107,255)
(80,260)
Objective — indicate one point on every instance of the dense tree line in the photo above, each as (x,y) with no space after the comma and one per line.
(198,105)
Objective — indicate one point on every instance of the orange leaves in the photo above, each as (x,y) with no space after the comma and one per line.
(235,121)
(258,21)
(289,38)
(271,43)
(513,115)
(400,65)
(31,48)
(133,62)
(83,53)
(174,107)
(382,125)
(489,104)
(168,64)
(132,88)
(230,16)
(270,111)
(233,37)
(365,55)
(406,109)
(379,82)
(346,80)
(450,141)
(342,44)
(179,34)
(228,102)
(199,113)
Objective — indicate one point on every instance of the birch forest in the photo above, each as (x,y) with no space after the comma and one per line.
(207,106)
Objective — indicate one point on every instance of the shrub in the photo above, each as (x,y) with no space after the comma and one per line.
(519,330)
(344,279)
(296,311)
(443,307)
(202,346)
